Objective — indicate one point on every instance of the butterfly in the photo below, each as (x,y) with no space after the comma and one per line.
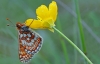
(30,42)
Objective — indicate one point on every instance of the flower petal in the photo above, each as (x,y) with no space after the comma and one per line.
(53,10)
(32,23)
(42,12)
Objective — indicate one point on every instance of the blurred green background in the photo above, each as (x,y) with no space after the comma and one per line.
(55,49)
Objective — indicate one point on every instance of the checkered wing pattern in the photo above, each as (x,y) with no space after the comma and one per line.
(29,43)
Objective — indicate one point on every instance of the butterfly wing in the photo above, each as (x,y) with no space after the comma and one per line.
(29,43)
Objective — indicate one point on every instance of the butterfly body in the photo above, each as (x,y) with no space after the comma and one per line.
(29,42)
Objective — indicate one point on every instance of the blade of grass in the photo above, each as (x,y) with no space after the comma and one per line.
(81,33)
(80,26)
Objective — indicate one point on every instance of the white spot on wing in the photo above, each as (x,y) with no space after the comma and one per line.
(28,39)
(24,35)
(28,51)
(21,35)
(29,44)
(36,51)
(33,33)
(29,35)
(21,59)
(32,40)
(18,32)
(23,42)
(33,52)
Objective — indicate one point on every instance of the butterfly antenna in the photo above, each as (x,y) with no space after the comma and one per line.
(31,23)
(10,21)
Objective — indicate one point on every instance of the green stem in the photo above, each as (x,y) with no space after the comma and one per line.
(73,45)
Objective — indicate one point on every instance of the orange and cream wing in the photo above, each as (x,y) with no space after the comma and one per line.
(29,43)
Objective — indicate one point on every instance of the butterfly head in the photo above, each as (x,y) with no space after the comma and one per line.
(22,27)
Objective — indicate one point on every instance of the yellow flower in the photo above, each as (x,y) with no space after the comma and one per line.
(45,17)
